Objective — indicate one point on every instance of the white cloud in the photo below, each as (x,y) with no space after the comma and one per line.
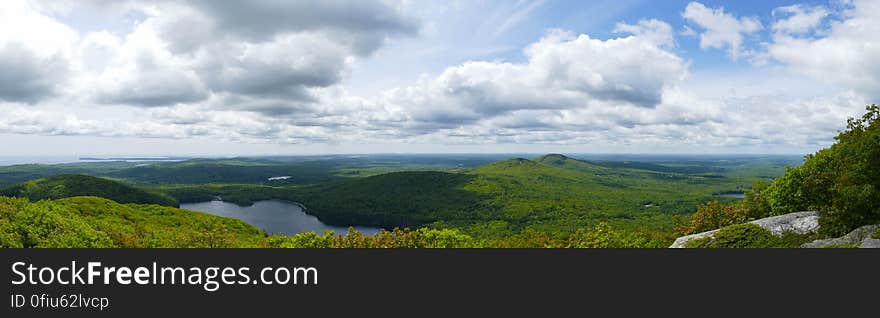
(563,71)
(142,72)
(721,30)
(845,54)
(268,57)
(799,19)
(286,67)
(185,71)
(35,53)
(652,30)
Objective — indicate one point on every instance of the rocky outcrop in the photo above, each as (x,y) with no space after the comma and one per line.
(679,242)
(798,222)
(860,237)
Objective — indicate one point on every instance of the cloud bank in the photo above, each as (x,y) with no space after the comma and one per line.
(275,72)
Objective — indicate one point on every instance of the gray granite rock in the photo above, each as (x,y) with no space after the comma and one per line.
(870,243)
(679,242)
(860,237)
(798,222)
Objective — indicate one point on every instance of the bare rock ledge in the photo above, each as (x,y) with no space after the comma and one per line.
(860,237)
(798,222)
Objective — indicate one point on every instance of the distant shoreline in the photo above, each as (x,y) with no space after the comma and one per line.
(132,158)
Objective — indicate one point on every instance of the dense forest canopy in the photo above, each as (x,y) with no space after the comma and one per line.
(75,185)
(841,182)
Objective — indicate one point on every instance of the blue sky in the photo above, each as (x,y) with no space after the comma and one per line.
(476,25)
(295,77)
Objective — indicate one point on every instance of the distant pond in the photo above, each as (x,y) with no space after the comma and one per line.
(733,194)
(273,216)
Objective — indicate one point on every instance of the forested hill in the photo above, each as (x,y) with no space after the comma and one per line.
(551,192)
(563,161)
(74,185)
(92,222)
(408,198)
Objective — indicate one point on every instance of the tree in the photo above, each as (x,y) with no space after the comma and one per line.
(841,181)
(713,215)
(755,201)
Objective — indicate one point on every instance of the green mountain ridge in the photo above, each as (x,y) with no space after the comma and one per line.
(92,222)
(552,191)
(75,185)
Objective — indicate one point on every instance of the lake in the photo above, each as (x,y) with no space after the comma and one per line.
(273,216)
(733,194)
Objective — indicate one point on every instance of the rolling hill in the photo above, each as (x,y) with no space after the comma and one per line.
(75,185)
(551,193)
(92,222)
(390,200)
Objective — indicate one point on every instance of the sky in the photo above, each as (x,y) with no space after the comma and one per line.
(384,76)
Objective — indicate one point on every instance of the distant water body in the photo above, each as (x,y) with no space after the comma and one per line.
(20,160)
(51,160)
(733,194)
(274,217)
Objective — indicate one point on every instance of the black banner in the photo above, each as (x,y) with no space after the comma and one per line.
(440,281)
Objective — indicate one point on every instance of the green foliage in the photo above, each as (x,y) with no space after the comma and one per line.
(738,236)
(755,202)
(97,222)
(447,238)
(73,185)
(45,225)
(853,245)
(553,194)
(749,235)
(604,236)
(713,215)
(841,181)
(394,199)
(302,240)
(398,238)
(557,192)
(530,238)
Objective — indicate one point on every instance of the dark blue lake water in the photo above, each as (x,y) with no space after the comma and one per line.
(273,216)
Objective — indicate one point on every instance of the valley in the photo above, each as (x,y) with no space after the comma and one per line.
(498,198)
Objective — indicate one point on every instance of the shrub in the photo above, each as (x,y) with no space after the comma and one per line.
(739,236)
(713,215)
(302,240)
(397,238)
(755,202)
(25,224)
(600,236)
(447,238)
(749,235)
(96,222)
(528,238)
(841,181)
